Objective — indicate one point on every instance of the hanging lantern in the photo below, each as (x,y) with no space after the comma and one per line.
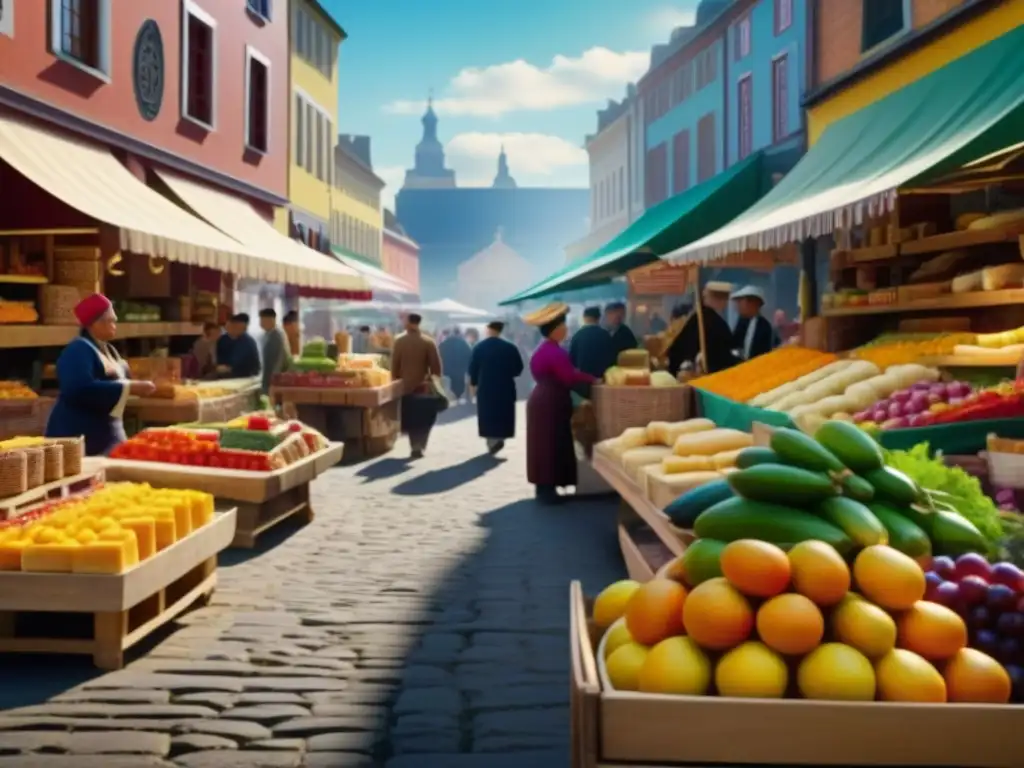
(112,269)
(157,265)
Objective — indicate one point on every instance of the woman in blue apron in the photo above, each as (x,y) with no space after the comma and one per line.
(93,382)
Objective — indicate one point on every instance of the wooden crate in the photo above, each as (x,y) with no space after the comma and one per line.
(15,506)
(102,616)
(254,519)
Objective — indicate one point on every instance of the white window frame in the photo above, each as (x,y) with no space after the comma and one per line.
(744,37)
(251,55)
(104,71)
(313,128)
(190,8)
(257,12)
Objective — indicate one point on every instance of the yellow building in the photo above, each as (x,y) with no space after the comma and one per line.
(357,220)
(314,39)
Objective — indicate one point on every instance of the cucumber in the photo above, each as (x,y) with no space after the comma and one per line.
(751,457)
(782,484)
(740,518)
(892,485)
(954,535)
(796,448)
(701,561)
(851,445)
(856,487)
(683,512)
(904,535)
(853,519)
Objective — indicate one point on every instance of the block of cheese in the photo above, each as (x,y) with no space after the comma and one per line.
(634,358)
(634,437)
(664,489)
(997,220)
(611,448)
(10,554)
(101,556)
(725,459)
(676,465)
(1002,276)
(711,442)
(144,529)
(667,432)
(972,281)
(637,458)
(165,528)
(49,558)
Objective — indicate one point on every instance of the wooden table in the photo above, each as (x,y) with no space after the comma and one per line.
(163,411)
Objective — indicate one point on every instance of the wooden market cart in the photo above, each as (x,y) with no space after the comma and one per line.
(157,411)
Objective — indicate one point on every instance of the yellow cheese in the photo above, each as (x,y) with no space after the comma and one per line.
(711,442)
(725,459)
(964,220)
(689,427)
(182,519)
(637,458)
(634,437)
(657,433)
(725,471)
(202,508)
(997,220)
(101,557)
(49,558)
(967,283)
(663,490)
(144,529)
(10,554)
(1002,276)
(166,531)
(646,474)
(634,358)
(129,543)
(675,465)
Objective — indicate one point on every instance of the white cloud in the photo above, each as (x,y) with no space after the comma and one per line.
(661,21)
(394,177)
(535,159)
(516,86)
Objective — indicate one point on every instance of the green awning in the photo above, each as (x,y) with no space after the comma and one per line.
(966,110)
(670,224)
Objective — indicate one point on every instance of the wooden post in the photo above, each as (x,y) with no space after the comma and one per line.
(698,305)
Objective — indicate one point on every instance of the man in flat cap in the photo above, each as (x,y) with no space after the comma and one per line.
(686,347)
(493,368)
(753,334)
(623,337)
(591,347)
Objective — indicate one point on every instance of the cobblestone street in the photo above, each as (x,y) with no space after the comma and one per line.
(419,622)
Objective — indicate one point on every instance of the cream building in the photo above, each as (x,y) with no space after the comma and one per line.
(357,220)
(488,276)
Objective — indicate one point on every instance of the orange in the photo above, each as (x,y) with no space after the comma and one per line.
(888,578)
(819,573)
(931,630)
(717,615)
(973,677)
(655,611)
(755,568)
(904,676)
(790,624)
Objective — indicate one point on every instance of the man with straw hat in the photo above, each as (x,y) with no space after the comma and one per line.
(686,347)
(753,334)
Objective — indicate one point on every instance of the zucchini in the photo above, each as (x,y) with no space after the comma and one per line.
(856,487)
(853,519)
(954,535)
(683,512)
(249,440)
(782,484)
(894,486)
(701,561)
(796,448)
(740,518)
(904,535)
(851,445)
(751,457)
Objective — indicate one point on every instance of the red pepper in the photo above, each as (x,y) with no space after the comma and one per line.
(259,423)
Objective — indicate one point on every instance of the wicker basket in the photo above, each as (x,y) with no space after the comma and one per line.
(53,462)
(74,452)
(57,304)
(13,474)
(24,418)
(35,466)
(619,408)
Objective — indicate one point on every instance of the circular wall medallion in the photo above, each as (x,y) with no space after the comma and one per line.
(148,70)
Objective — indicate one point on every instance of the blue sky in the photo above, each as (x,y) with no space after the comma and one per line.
(529,73)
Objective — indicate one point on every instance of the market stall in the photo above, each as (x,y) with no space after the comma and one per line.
(193,402)
(258,464)
(351,399)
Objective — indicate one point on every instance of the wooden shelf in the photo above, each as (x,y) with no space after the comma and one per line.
(873,253)
(24,336)
(24,279)
(953,301)
(951,241)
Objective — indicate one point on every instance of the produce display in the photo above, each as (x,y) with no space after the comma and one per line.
(902,349)
(107,532)
(347,372)
(30,462)
(137,312)
(262,443)
(16,312)
(15,390)
(314,359)
(768,372)
(929,403)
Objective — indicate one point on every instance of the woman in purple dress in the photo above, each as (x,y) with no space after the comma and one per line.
(550,453)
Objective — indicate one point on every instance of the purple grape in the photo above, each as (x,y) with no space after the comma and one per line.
(1000,597)
(1016,673)
(973,564)
(979,617)
(1011,625)
(987,641)
(945,567)
(932,581)
(973,590)
(1009,650)
(948,594)
(1008,574)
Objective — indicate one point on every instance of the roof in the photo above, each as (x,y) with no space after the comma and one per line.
(326,17)
(696,39)
(347,152)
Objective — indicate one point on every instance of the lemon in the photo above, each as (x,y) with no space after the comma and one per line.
(610,605)
(623,666)
(617,636)
(836,672)
(676,665)
(752,670)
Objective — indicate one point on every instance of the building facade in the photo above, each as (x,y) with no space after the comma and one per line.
(315,38)
(483,276)
(400,254)
(357,222)
(196,86)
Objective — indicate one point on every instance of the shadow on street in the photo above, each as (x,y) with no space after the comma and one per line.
(456,413)
(383,469)
(449,478)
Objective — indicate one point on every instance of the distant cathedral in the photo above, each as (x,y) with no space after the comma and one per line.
(454,224)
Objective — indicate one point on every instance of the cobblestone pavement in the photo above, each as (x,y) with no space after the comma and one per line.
(419,622)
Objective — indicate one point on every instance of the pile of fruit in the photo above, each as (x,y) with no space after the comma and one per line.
(834,487)
(764,373)
(15,390)
(929,403)
(108,531)
(14,312)
(902,349)
(314,358)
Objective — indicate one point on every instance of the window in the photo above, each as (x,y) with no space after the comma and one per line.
(680,162)
(260,8)
(780,98)
(743,38)
(622,188)
(882,20)
(745,112)
(300,130)
(199,66)
(80,34)
(312,41)
(706,68)
(257,100)
(784,15)
(706,146)
(656,175)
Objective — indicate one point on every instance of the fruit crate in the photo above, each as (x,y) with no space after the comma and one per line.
(617,729)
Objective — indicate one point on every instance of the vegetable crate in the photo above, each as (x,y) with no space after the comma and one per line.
(103,616)
(620,729)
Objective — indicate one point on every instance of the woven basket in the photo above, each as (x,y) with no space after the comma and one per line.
(35,466)
(57,304)
(13,474)
(619,408)
(53,462)
(74,452)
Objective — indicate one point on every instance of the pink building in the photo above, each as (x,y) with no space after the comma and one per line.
(400,255)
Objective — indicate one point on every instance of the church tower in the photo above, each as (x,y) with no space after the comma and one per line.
(430,171)
(504,179)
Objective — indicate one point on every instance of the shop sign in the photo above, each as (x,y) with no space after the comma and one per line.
(148,70)
(7,18)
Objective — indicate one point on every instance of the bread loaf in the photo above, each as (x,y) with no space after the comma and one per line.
(1002,276)
(972,281)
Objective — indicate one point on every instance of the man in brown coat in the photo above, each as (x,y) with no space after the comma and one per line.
(414,360)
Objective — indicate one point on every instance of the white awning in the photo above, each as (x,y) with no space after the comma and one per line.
(378,279)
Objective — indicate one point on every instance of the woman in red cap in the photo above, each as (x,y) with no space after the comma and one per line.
(93,381)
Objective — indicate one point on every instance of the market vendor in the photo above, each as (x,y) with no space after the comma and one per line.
(550,451)
(622,335)
(591,348)
(238,355)
(93,381)
(753,334)
(686,346)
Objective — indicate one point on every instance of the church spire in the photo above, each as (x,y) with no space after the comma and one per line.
(430,170)
(429,119)
(504,179)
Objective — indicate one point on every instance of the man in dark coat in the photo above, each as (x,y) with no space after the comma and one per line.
(493,368)
(623,337)
(239,356)
(717,336)
(455,354)
(753,334)
(591,348)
